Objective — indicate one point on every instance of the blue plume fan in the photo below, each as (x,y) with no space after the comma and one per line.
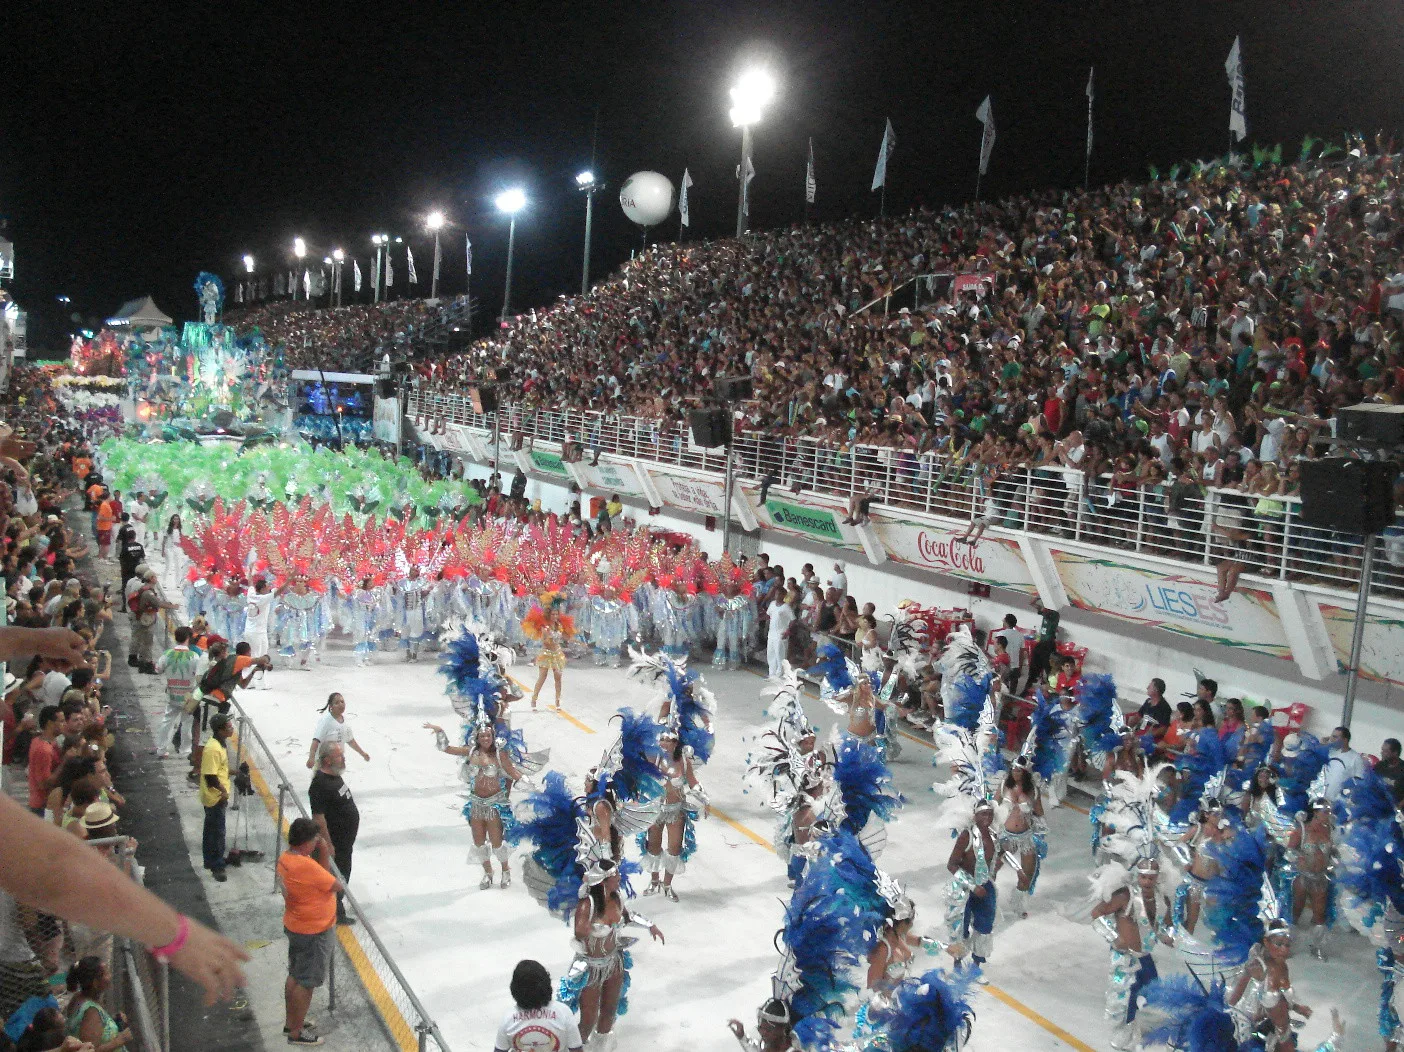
(1298,772)
(461,665)
(834,668)
(846,870)
(693,731)
(547,818)
(865,782)
(1231,898)
(1368,872)
(1047,723)
(966,701)
(637,776)
(1196,1020)
(931,1013)
(1208,758)
(1097,709)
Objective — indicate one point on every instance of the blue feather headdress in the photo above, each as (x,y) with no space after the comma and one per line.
(1370,872)
(551,819)
(475,696)
(1197,768)
(865,782)
(930,1014)
(1302,760)
(1100,715)
(840,677)
(1196,1020)
(1232,897)
(966,677)
(1045,747)
(629,768)
(692,710)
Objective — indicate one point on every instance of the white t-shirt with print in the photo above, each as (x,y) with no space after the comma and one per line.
(549,1029)
(330,730)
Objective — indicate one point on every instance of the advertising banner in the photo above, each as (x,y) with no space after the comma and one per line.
(543,462)
(685,491)
(1175,602)
(931,546)
(1381,649)
(608,478)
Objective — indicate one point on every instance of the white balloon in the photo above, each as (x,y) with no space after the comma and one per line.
(647,198)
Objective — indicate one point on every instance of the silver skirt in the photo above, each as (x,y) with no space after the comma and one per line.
(484,808)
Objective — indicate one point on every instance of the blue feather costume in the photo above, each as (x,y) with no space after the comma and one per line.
(1197,766)
(1231,897)
(1299,771)
(927,1014)
(1198,1020)
(865,783)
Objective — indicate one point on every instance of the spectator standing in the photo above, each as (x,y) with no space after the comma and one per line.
(1045,643)
(1014,646)
(1391,768)
(1345,764)
(44,757)
(214,795)
(538,1022)
(781,616)
(309,916)
(336,813)
(182,668)
(840,580)
(333,727)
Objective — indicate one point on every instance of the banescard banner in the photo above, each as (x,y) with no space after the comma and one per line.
(611,478)
(1179,603)
(991,560)
(1381,648)
(547,463)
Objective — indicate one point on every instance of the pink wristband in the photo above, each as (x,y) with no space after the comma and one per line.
(166,952)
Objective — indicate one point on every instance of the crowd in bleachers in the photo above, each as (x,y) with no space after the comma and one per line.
(350,339)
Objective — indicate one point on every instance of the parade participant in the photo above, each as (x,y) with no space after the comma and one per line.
(611,623)
(623,791)
(736,627)
(1263,992)
(1195,1018)
(258,610)
(332,727)
(865,787)
(1305,875)
(852,693)
(227,611)
(926,1013)
(1023,833)
(366,613)
(1207,827)
(971,900)
(549,625)
(670,842)
(302,623)
(408,598)
(488,771)
(684,699)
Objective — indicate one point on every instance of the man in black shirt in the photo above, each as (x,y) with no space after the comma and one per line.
(1391,768)
(1154,713)
(336,813)
(1045,643)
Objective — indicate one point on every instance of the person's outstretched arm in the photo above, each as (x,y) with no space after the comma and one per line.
(47,869)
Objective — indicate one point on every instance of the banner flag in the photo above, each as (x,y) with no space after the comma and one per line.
(682,200)
(748,172)
(809,184)
(1238,119)
(409,255)
(985,114)
(1089,110)
(889,143)
(469,242)
(356,274)
(389,269)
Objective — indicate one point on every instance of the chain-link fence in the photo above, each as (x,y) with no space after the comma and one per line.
(369,996)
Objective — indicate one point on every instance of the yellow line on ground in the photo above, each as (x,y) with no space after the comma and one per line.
(1042,1021)
(571,719)
(390,1013)
(748,833)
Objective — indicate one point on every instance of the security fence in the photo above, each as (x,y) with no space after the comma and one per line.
(1259,527)
(368,995)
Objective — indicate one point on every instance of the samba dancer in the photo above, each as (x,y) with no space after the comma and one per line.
(488,771)
(549,625)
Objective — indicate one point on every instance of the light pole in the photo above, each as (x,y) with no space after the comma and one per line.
(249,269)
(338,262)
(753,91)
(300,251)
(587,184)
(434,221)
(381,243)
(510,201)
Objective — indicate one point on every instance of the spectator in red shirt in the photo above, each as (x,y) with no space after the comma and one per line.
(44,757)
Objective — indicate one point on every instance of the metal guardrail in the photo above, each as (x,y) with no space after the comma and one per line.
(408,1024)
(1262,531)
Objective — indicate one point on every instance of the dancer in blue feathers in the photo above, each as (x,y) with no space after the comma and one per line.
(1194,1018)
(854,694)
(1023,833)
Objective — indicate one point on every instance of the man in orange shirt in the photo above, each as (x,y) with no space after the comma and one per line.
(309,917)
(106,519)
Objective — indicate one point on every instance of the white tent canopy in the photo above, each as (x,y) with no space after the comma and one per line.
(140,313)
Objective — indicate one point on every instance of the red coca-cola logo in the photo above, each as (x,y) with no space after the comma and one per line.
(940,551)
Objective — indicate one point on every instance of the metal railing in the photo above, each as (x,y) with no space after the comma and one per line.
(1262,532)
(260,812)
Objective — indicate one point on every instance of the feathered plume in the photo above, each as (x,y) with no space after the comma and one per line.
(1100,715)
(865,783)
(1197,768)
(1045,746)
(966,676)
(1196,1020)
(1302,761)
(930,1014)
(629,768)
(474,695)
(1370,872)
(552,819)
(838,673)
(692,710)
(1232,897)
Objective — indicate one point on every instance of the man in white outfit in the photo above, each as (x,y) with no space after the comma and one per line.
(782,616)
(258,608)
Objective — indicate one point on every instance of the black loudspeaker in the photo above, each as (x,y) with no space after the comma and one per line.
(735,388)
(1350,496)
(710,427)
(385,389)
(1372,424)
(483,399)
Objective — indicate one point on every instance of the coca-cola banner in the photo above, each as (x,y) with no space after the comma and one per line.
(991,560)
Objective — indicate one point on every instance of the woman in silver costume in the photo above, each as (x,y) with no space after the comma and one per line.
(775,1022)
(598,977)
(489,772)
(1207,827)
(1309,863)
(1024,819)
(1263,992)
(674,821)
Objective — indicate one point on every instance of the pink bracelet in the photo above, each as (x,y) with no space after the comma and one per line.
(166,952)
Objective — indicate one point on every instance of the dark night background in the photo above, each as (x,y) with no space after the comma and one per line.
(139,145)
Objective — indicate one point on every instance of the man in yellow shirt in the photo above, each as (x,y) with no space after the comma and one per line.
(214,794)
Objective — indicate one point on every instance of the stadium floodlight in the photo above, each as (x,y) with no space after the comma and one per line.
(587,185)
(585,180)
(339,255)
(299,247)
(434,221)
(248,263)
(510,201)
(749,96)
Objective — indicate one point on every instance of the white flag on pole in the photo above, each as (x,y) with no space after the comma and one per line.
(682,200)
(307,284)
(985,114)
(889,143)
(1090,71)
(748,172)
(469,242)
(1238,120)
(292,283)
(239,293)
(413,277)
(356,274)
(389,269)
(809,184)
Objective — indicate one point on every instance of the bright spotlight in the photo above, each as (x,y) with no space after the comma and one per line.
(511,201)
(248,263)
(299,247)
(753,91)
(434,221)
(339,256)
(585,179)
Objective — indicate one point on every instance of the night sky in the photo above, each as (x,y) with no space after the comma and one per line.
(139,145)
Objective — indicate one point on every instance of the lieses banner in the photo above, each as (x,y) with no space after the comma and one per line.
(610,478)
(1248,619)
(1381,649)
(992,560)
